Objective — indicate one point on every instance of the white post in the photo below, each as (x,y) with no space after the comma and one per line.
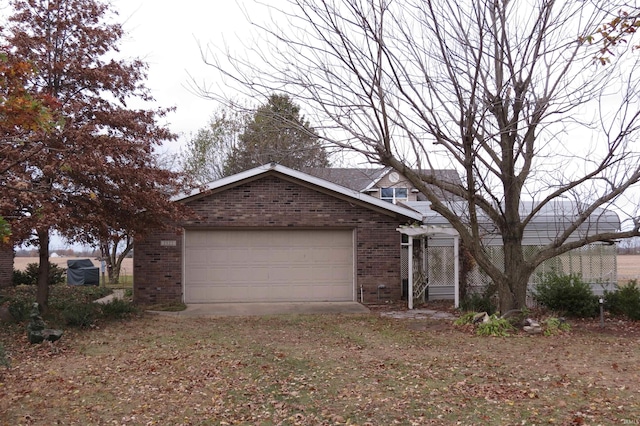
(410,269)
(456,270)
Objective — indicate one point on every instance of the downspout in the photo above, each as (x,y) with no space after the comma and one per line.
(456,270)
(410,269)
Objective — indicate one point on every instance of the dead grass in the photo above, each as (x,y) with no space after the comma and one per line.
(320,370)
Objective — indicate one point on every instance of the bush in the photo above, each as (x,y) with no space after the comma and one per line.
(117,309)
(21,278)
(624,301)
(68,305)
(80,314)
(30,275)
(478,302)
(567,294)
(20,305)
(496,326)
(553,326)
(465,319)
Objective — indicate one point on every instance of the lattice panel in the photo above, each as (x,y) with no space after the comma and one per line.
(596,263)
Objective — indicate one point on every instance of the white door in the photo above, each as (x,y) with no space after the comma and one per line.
(268,266)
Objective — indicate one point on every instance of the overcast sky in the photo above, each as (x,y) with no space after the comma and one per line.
(165,34)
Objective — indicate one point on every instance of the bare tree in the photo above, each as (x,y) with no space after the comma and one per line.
(507,93)
(206,154)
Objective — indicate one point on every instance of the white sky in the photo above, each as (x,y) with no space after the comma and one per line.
(165,34)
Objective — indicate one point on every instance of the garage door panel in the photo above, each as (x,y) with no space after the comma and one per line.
(283,265)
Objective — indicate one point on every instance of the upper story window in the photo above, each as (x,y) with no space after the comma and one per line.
(393,195)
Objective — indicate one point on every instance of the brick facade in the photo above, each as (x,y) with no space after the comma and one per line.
(276,202)
(6,265)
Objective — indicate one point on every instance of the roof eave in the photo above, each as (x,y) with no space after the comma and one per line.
(304,177)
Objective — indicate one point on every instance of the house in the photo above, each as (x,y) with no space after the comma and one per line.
(273,234)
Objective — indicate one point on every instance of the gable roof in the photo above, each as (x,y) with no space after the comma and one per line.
(360,179)
(283,171)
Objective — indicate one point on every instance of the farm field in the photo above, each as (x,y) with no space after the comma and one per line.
(628,268)
(628,265)
(21,263)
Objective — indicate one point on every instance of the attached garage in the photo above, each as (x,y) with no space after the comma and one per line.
(273,234)
(268,266)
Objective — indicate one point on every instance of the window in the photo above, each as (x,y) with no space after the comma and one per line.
(393,195)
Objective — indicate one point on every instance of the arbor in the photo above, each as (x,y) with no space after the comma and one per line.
(277,132)
(94,175)
(505,92)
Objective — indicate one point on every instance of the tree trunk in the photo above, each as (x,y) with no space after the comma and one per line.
(512,289)
(42,296)
(112,259)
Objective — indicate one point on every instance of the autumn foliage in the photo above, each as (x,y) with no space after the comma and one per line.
(91,172)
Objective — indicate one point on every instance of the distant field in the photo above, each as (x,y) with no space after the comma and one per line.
(628,265)
(22,262)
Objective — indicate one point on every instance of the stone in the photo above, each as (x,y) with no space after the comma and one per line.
(531,326)
(532,330)
(481,317)
(36,331)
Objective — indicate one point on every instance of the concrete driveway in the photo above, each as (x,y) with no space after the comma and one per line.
(205,310)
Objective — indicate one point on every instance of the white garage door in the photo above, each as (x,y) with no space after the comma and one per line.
(268,266)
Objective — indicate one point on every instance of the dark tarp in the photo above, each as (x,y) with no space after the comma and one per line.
(82,272)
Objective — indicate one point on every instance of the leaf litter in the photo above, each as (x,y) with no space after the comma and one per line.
(318,370)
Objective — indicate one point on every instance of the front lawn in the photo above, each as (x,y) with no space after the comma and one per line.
(318,370)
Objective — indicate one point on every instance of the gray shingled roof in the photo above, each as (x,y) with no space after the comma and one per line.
(356,179)
(361,179)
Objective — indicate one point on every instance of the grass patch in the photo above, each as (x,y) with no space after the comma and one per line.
(167,307)
(317,369)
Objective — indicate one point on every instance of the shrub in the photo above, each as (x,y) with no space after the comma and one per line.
(118,308)
(465,319)
(30,275)
(21,278)
(67,304)
(495,327)
(80,314)
(625,300)
(567,294)
(20,305)
(478,302)
(553,326)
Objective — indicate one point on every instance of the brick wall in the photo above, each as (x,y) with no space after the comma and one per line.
(278,203)
(6,265)
(157,268)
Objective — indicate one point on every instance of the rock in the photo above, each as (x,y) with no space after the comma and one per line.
(36,331)
(481,317)
(531,326)
(532,329)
